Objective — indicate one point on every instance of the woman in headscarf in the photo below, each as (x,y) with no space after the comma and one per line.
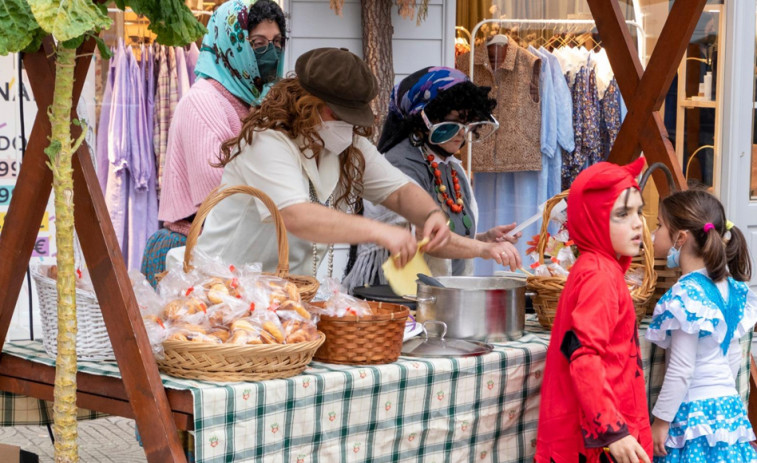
(241,57)
(430,113)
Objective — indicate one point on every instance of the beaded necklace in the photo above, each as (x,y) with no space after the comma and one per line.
(330,248)
(456,205)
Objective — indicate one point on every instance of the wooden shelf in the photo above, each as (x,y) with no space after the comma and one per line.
(689,103)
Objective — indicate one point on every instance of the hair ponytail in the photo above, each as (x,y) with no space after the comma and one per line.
(713,253)
(737,255)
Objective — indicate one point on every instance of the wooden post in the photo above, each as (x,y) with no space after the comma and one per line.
(139,371)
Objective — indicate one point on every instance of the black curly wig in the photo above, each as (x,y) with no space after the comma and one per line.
(267,10)
(471,101)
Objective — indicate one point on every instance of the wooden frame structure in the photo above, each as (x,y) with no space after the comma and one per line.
(644,90)
(141,395)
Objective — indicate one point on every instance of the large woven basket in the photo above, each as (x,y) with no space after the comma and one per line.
(92,341)
(666,278)
(548,289)
(306,285)
(218,362)
(370,340)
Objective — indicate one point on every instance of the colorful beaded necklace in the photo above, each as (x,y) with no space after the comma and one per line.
(456,205)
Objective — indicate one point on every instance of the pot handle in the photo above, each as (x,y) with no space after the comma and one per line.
(434,322)
(423,300)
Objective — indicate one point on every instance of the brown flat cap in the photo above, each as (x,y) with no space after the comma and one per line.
(342,80)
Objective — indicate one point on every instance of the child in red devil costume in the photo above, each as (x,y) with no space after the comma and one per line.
(593,400)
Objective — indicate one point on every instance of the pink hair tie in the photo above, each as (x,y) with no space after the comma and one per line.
(708,226)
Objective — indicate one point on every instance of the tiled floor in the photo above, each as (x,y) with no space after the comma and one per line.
(108,439)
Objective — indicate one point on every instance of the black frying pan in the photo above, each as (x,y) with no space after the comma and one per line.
(381,293)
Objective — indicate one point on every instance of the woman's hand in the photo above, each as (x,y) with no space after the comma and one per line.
(436,230)
(628,450)
(503,253)
(399,241)
(498,234)
(660,429)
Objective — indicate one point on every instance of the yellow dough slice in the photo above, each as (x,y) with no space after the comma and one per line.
(402,280)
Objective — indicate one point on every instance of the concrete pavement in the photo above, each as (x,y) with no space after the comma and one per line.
(103,440)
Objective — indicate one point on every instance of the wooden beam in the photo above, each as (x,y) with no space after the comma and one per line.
(626,65)
(655,81)
(31,193)
(121,314)
(101,393)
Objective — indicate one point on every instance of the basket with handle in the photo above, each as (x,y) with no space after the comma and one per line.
(307,285)
(367,340)
(219,362)
(549,288)
(666,278)
(92,340)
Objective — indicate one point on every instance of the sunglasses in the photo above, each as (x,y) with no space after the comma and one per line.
(445,131)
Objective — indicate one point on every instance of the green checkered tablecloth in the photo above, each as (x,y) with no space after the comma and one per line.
(482,409)
(462,409)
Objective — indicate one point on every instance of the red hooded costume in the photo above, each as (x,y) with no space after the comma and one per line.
(593,392)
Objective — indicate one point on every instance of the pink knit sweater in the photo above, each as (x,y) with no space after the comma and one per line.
(205,117)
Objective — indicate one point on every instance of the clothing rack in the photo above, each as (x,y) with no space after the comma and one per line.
(542,22)
(465,32)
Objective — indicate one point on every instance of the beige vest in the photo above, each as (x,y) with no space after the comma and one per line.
(515,84)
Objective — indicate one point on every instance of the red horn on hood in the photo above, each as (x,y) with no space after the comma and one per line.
(634,167)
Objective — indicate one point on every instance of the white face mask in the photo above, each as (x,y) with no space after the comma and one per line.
(336,135)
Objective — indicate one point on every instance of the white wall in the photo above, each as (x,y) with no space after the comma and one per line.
(312,24)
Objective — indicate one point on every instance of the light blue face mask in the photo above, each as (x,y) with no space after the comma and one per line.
(674,258)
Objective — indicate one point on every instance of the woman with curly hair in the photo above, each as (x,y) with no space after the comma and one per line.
(305,147)
(431,112)
(240,59)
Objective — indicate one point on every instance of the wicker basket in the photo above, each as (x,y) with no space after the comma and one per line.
(370,340)
(218,362)
(548,289)
(92,341)
(666,278)
(306,285)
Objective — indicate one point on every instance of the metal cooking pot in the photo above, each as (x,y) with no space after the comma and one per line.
(479,308)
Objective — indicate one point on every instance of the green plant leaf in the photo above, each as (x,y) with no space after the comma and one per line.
(53,149)
(68,19)
(36,42)
(75,42)
(18,25)
(105,52)
(171,20)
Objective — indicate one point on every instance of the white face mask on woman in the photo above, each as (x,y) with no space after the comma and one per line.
(336,135)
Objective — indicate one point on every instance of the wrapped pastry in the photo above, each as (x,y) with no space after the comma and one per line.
(243,324)
(299,331)
(274,331)
(217,292)
(178,309)
(296,307)
(222,334)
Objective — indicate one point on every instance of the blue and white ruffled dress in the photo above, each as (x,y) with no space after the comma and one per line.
(711,424)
